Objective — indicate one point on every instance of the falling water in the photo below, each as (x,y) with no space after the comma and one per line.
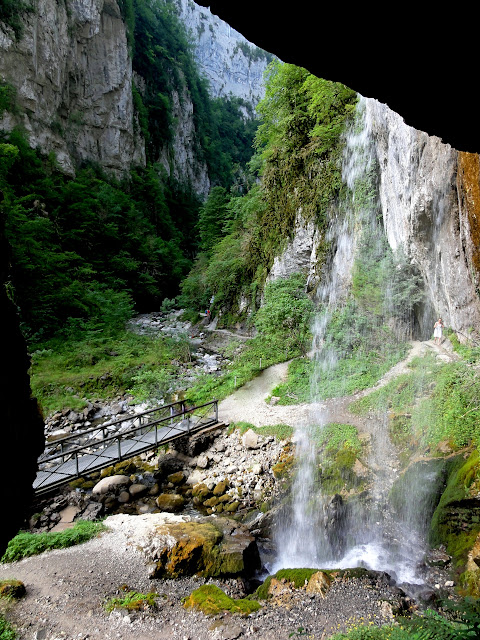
(316,531)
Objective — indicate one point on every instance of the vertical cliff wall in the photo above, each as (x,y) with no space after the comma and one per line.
(73,77)
(429,202)
(231,64)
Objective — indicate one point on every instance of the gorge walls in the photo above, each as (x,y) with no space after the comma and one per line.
(73,76)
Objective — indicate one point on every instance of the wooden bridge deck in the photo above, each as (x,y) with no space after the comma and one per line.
(109,443)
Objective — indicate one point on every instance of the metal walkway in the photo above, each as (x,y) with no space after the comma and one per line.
(102,446)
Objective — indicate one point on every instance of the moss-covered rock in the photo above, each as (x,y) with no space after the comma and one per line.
(200,493)
(176,478)
(211,601)
(456,520)
(210,547)
(170,502)
(231,507)
(220,487)
(12,589)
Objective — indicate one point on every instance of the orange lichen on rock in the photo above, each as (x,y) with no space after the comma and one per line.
(469,189)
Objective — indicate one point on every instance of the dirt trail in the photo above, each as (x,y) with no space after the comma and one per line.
(249,404)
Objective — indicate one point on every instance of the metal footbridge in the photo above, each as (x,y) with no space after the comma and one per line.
(104,445)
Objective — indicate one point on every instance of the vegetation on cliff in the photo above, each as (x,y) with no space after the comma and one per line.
(88,251)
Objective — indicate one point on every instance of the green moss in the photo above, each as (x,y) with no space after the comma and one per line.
(298,577)
(211,601)
(132,601)
(11,589)
(455,522)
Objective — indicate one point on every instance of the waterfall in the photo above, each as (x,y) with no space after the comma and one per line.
(314,530)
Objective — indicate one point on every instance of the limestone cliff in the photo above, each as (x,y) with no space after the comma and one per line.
(73,77)
(429,199)
(231,64)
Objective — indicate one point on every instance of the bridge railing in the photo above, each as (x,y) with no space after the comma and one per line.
(70,459)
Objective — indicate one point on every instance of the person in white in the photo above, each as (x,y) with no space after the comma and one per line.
(437,331)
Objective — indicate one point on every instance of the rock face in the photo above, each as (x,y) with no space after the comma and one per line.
(429,199)
(73,77)
(427,194)
(72,72)
(231,64)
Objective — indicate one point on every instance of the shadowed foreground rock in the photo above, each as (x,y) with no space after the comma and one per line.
(22,423)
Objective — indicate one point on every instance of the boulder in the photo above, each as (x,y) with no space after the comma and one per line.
(111,484)
(319,583)
(170,502)
(196,477)
(176,478)
(207,547)
(136,490)
(220,488)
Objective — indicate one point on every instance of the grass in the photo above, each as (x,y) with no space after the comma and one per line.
(211,600)
(306,381)
(279,431)
(64,374)
(258,354)
(132,601)
(27,544)
(435,402)
(7,632)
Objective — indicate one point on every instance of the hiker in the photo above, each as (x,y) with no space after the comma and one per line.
(437,331)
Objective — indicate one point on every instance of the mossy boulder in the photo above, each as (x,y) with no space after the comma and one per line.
(170,502)
(456,520)
(207,547)
(211,601)
(12,589)
(176,478)
(220,487)
(200,493)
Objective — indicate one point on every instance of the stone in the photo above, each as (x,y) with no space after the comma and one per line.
(220,488)
(196,477)
(202,462)
(319,583)
(250,439)
(111,483)
(201,491)
(257,469)
(205,547)
(170,502)
(176,478)
(137,489)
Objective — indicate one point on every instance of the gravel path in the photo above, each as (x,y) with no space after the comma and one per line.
(248,403)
